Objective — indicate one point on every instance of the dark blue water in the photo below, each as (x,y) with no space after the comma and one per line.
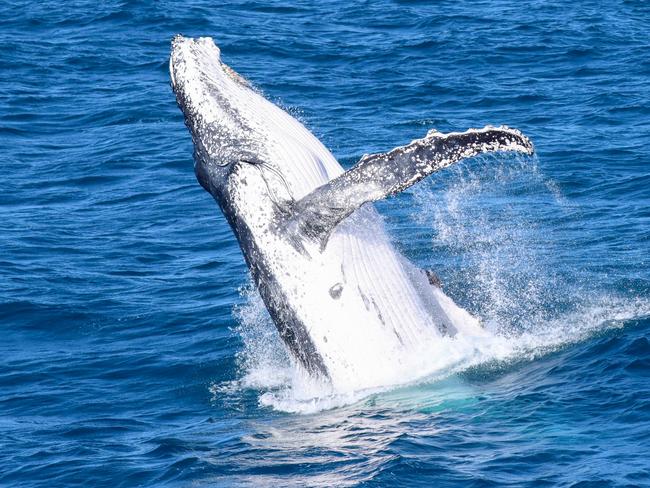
(132,351)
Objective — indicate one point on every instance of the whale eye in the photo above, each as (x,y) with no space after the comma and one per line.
(249,161)
(336,290)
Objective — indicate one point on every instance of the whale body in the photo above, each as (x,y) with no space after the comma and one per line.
(349,307)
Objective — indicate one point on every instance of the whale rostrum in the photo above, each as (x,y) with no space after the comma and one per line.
(350,308)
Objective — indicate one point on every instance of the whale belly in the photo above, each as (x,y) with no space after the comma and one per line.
(368,310)
(361,306)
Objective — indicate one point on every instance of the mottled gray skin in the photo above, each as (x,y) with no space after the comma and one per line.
(213,178)
(213,171)
(222,149)
(292,331)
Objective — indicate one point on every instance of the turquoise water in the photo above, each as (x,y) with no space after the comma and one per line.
(134,352)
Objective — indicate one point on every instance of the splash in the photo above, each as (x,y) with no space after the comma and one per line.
(486,224)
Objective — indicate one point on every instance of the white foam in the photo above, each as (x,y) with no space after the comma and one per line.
(286,387)
(526,309)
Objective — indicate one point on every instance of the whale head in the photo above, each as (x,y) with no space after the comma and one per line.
(237,131)
(216,103)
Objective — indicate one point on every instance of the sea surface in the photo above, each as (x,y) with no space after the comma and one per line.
(133,349)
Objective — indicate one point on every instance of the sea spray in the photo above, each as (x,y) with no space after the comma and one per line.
(506,279)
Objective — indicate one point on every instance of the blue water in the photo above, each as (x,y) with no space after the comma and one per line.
(133,351)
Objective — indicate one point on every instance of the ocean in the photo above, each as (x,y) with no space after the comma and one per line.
(135,351)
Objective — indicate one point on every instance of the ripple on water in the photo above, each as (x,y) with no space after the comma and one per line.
(122,362)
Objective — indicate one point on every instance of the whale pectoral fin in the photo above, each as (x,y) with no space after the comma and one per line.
(378,176)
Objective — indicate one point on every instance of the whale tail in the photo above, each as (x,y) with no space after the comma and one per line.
(381,175)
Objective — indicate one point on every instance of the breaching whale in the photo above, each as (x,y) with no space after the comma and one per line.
(346,303)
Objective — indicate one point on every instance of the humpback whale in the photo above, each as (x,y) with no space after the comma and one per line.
(346,303)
